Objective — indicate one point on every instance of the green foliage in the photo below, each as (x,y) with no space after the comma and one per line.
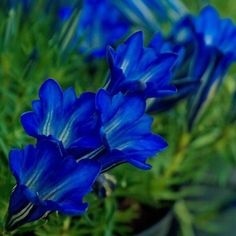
(195,176)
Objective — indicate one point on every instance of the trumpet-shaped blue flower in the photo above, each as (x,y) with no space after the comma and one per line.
(100,24)
(182,79)
(140,70)
(48,181)
(208,43)
(149,13)
(64,117)
(125,131)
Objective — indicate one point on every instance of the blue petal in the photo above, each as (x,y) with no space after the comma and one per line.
(119,107)
(51,95)
(133,46)
(37,108)
(20,165)
(30,123)
(69,97)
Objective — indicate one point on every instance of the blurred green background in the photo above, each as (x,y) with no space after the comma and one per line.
(191,189)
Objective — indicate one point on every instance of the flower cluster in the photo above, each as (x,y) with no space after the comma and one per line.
(206,48)
(79,138)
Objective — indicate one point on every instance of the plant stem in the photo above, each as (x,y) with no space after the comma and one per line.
(180,155)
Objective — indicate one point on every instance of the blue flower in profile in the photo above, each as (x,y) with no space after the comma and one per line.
(100,24)
(47,181)
(64,117)
(140,70)
(125,131)
(150,13)
(208,44)
(181,77)
(214,58)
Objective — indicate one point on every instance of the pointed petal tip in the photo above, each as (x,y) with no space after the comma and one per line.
(136,37)
(50,87)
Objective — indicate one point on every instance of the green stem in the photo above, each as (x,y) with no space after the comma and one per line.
(180,155)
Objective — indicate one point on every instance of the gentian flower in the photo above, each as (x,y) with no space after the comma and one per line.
(150,13)
(181,77)
(109,129)
(100,24)
(208,43)
(140,70)
(63,117)
(125,131)
(48,181)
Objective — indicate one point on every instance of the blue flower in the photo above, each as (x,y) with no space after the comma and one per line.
(63,117)
(47,181)
(106,128)
(100,24)
(181,77)
(150,13)
(125,131)
(208,44)
(216,40)
(140,70)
